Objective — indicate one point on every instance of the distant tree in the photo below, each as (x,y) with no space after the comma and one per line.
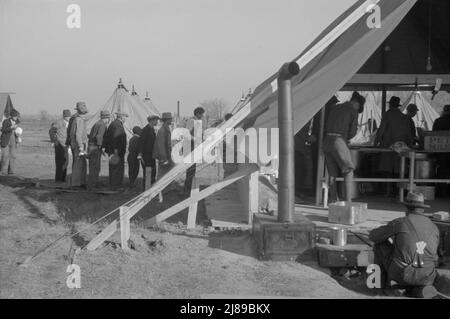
(44,116)
(214,108)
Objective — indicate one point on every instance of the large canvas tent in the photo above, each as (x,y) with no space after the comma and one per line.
(148,101)
(122,101)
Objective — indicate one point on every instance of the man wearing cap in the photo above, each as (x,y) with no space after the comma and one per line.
(58,136)
(162,150)
(8,143)
(96,145)
(145,144)
(115,147)
(196,125)
(77,140)
(341,127)
(406,248)
(411,112)
(395,127)
(443,160)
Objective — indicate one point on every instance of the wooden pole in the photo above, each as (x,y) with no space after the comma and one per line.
(124,228)
(320,158)
(192,214)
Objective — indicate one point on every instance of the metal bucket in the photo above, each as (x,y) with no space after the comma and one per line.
(338,236)
(424,168)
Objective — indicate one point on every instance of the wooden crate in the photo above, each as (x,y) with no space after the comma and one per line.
(437,141)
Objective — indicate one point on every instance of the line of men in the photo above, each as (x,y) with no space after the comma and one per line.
(147,148)
(108,137)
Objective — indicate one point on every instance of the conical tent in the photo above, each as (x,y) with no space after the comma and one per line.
(148,101)
(6,105)
(122,101)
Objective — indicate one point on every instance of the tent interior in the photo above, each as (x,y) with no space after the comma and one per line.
(409,63)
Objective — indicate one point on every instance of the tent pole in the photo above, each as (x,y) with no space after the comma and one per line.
(320,158)
(383,101)
(286,185)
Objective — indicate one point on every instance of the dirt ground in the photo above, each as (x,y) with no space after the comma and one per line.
(166,262)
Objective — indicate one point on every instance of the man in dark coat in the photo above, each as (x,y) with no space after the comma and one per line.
(411,112)
(146,144)
(341,127)
(115,147)
(58,135)
(406,248)
(443,160)
(8,142)
(133,155)
(96,145)
(395,127)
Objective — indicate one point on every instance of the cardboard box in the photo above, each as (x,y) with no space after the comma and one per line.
(437,141)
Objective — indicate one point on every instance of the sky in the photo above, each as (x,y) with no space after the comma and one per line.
(177,50)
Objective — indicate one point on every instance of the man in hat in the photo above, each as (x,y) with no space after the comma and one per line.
(96,145)
(115,147)
(133,155)
(162,150)
(77,140)
(411,112)
(395,127)
(8,143)
(406,248)
(341,127)
(443,160)
(196,125)
(145,144)
(58,136)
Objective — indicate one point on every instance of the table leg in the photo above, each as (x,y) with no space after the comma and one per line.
(402,176)
(412,165)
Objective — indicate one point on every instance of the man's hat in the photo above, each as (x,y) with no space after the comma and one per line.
(121,114)
(14,112)
(137,130)
(105,115)
(152,117)
(412,108)
(394,101)
(67,113)
(415,200)
(81,108)
(166,116)
(447,108)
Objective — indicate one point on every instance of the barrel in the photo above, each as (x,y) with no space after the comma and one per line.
(424,167)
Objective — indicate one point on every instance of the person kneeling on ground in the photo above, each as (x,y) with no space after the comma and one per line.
(406,248)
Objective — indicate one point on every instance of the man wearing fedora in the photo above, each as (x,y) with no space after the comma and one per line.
(162,150)
(443,160)
(406,248)
(145,144)
(115,147)
(395,127)
(95,149)
(77,140)
(58,136)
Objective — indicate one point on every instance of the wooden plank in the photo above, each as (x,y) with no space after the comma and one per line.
(192,215)
(104,235)
(199,196)
(124,228)
(148,178)
(253,196)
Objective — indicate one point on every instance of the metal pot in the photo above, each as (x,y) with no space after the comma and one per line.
(338,236)
(424,168)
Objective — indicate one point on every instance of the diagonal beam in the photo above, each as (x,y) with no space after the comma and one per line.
(248,169)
